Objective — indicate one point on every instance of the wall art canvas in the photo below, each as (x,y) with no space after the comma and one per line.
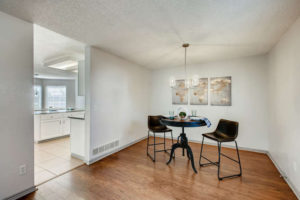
(199,93)
(180,93)
(220,91)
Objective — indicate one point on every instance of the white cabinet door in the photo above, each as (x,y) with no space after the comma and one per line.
(65,126)
(50,129)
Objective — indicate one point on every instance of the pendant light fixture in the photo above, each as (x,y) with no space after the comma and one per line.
(187,82)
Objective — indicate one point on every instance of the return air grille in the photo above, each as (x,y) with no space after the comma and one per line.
(106,147)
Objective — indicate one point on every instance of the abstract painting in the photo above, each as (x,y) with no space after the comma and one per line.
(220,91)
(180,93)
(199,93)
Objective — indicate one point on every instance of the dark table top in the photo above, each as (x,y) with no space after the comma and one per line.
(182,123)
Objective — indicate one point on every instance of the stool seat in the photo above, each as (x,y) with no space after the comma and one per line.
(219,137)
(159,129)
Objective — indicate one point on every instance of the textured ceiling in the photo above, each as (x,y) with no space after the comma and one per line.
(150,32)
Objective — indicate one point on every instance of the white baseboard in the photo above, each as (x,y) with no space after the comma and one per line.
(22,194)
(78,156)
(223,144)
(232,146)
(114,151)
(284,176)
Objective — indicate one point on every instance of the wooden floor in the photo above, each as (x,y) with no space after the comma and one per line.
(130,174)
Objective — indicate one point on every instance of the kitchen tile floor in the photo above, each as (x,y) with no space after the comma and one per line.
(53,158)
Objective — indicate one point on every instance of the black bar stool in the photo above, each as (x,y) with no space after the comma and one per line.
(227,131)
(155,126)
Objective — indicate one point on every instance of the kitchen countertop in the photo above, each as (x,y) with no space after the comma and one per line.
(43,112)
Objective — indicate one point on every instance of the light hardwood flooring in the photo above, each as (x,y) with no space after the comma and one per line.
(52,158)
(131,175)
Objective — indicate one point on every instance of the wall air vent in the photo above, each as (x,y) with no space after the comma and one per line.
(106,147)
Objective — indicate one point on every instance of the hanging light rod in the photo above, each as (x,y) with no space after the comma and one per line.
(186,80)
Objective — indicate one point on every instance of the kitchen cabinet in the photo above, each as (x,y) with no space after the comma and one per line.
(50,129)
(48,126)
(65,126)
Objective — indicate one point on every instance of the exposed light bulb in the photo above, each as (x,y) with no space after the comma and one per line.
(172,82)
(187,83)
(195,80)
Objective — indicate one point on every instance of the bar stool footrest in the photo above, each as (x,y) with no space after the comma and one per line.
(155,144)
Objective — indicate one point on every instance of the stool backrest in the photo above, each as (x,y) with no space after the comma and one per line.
(154,121)
(227,128)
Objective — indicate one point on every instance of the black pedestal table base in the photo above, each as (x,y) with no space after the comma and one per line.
(183,143)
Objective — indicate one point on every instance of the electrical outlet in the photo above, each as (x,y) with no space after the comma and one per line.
(22,170)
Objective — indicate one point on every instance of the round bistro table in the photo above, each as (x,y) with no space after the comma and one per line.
(182,141)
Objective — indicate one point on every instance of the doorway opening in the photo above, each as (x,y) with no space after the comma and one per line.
(59,104)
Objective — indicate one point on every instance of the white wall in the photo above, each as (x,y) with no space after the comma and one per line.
(284,71)
(16,105)
(118,100)
(249,98)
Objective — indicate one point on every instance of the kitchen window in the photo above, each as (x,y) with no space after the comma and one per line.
(56,97)
(37,97)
